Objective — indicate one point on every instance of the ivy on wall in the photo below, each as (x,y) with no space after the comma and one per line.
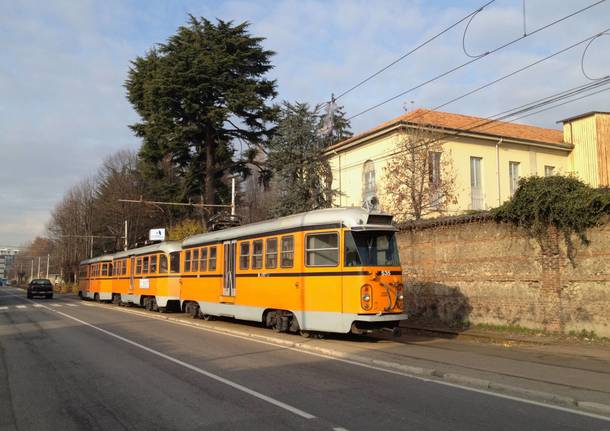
(562,202)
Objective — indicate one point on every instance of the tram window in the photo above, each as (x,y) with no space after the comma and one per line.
(145,265)
(110,269)
(203,259)
(257,254)
(153,264)
(124,267)
(195,261)
(104,270)
(139,265)
(287,258)
(174,262)
(187,261)
(163,264)
(212,263)
(322,249)
(244,255)
(271,253)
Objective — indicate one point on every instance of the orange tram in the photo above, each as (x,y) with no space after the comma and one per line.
(331,270)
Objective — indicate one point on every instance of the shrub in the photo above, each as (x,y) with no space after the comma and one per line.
(564,202)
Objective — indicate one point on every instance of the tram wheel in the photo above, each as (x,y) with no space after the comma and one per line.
(193,310)
(305,334)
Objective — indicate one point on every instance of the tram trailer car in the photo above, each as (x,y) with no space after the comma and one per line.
(148,276)
(95,278)
(331,270)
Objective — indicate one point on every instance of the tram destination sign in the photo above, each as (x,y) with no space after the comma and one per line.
(156,235)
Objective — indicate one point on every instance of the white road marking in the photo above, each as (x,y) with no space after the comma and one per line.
(56,305)
(37,305)
(340,429)
(21,306)
(4,308)
(72,305)
(360,364)
(201,371)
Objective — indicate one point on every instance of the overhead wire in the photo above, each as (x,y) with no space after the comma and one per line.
(473,60)
(517,71)
(584,53)
(417,48)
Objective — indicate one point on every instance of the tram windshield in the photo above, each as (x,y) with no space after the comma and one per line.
(371,248)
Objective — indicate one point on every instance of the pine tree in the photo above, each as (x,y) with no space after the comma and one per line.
(195,94)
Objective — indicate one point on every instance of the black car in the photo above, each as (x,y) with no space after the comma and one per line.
(40,287)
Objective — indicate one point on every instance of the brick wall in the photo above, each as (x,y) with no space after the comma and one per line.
(462,271)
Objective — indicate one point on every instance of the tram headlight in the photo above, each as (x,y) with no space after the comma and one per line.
(366,297)
(400,297)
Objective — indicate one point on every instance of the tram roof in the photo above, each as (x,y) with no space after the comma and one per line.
(103,258)
(352,218)
(166,246)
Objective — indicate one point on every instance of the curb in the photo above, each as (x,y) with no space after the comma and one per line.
(413,371)
(456,334)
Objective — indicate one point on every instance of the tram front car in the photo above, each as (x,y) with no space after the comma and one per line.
(373,276)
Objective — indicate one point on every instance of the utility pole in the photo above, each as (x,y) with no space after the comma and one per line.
(233,196)
(48,261)
(32,270)
(38,272)
(125,242)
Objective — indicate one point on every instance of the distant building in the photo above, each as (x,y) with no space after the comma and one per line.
(7,259)
(487,160)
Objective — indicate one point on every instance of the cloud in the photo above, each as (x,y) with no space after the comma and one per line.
(63,106)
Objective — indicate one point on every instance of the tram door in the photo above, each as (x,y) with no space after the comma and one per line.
(132,270)
(229,268)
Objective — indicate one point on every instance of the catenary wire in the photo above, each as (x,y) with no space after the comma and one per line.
(513,73)
(505,45)
(421,45)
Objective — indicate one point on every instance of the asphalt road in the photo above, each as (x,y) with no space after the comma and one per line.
(65,365)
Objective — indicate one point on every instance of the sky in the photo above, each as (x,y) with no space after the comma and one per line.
(63,64)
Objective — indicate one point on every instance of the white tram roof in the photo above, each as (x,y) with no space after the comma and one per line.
(103,258)
(351,218)
(166,246)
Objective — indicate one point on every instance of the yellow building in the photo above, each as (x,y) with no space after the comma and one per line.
(487,157)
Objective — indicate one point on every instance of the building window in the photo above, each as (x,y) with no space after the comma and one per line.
(434,179)
(513,172)
(287,251)
(322,249)
(369,187)
(476,184)
(549,171)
